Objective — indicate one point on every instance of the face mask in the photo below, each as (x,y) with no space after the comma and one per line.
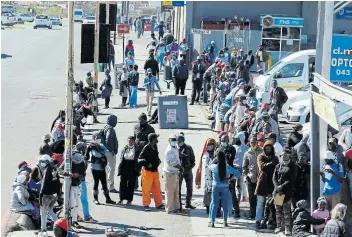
(221,55)
(210,147)
(245,102)
(300,132)
(173,143)
(286,162)
(224,144)
(174,58)
(43,164)
(181,143)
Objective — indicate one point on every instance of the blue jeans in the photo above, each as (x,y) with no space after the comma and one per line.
(215,198)
(111,61)
(229,205)
(260,208)
(160,60)
(133,97)
(84,200)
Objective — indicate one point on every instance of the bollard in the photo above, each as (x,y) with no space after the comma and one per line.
(205,95)
(270,62)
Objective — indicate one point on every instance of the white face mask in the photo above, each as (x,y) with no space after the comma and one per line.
(300,132)
(173,143)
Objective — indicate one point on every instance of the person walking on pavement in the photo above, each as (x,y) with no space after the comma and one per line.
(221,172)
(198,71)
(180,77)
(160,53)
(97,153)
(188,161)
(45,147)
(152,24)
(128,170)
(134,80)
(152,64)
(149,83)
(111,55)
(278,98)
(129,48)
(267,162)
(284,182)
(172,169)
(262,57)
(130,22)
(49,192)
(150,161)
(106,88)
(139,27)
(109,140)
(250,173)
(161,30)
(124,78)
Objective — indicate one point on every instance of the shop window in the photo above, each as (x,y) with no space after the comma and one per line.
(291,33)
(290,45)
(291,70)
(271,45)
(271,33)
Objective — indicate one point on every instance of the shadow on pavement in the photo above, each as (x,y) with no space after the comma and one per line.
(134,230)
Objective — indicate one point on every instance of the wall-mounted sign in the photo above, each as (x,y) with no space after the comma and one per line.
(341,58)
(172,3)
(345,13)
(273,21)
(325,108)
(201,32)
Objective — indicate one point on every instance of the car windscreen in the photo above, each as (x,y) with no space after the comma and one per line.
(78,13)
(54,17)
(41,17)
(90,18)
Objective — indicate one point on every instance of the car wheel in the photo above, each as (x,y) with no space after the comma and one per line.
(308,118)
(50,27)
(2,23)
(19,19)
(60,24)
(34,27)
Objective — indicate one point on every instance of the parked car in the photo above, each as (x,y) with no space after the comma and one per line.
(24,17)
(89,20)
(42,21)
(56,20)
(293,96)
(8,19)
(299,111)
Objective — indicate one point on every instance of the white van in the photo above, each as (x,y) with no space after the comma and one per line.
(78,15)
(291,73)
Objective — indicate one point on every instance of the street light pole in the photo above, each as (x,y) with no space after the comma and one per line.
(96,57)
(69,108)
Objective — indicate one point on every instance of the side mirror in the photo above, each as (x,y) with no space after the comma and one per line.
(277,75)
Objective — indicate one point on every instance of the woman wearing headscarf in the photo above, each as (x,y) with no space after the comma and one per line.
(124,78)
(128,170)
(302,220)
(336,226)
(58,127)
(203,169)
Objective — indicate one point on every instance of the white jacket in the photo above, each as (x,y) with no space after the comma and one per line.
(239,113)
(345,139)
(172,159)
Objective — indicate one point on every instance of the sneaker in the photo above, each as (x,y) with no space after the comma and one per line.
(189,205)
(147,208)
(96,202)
(113,190)
(129,203)
(192,103)
(277,230)
(75,224)
(237,214)
(90,220)
(257,225)
(161,206)
(212,225)
(288,233)
(225,224)
(109,201)
(79,218)
(120,202)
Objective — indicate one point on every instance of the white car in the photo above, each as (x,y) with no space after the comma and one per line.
(56,20)
(24,17)
(8,19)
(42,21)
(89,20)
(299,112)
(294,96)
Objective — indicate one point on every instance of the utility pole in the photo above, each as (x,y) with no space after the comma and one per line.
(69,108)
(96,57)
(107,22)
(127,9)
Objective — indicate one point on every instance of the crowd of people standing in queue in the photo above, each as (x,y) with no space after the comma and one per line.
(248,161)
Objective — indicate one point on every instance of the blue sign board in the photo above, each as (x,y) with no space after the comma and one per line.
(341,58)
(178,3)
(345,13)
(281,21)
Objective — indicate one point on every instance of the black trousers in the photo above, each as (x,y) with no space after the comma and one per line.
(161,35)
(99,176)
(180,85)
(188,177)
(235,199)
(269,208)
(252,198)
(196,88)
(107,102)
(127,185)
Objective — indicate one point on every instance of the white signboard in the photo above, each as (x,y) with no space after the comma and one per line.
(201,32)
(171,116)
(170,102)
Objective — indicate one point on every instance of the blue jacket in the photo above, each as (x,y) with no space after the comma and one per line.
(149,84)
(229,171)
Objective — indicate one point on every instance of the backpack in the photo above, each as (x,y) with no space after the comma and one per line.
(102,159)
(182,72)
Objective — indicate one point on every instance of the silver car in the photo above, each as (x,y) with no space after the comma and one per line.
(56,20)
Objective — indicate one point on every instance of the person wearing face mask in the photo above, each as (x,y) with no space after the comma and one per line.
(174,61)
(241,56)
(277,146)
(124,78)
(345,140)
(261,123)
(321,212)
(332,177)
(142,130)
(172,169)
(300,191)
(337,150)
(188,161)
(180,76)
(129,60)
(203,170)
(222,57)
(128,170)
(277,99)
(284,181)
(150,82)
(250,173)
(149,160)
(237,185)
(302,220)
(211,49)
(198,71)
(58,127)
(295,136)
(301,147)
(49,192)
(267,162)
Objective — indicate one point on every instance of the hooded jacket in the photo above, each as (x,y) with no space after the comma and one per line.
(19,198)
(266,167)
(111,141)
(240,150)
(51,181)
(293,139)
(141,133)
(302,221)
(334,228)
(301,147)
(250,163)
(285,176)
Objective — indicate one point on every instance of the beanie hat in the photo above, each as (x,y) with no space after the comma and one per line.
(77,158)
(62,223)
(302,204)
